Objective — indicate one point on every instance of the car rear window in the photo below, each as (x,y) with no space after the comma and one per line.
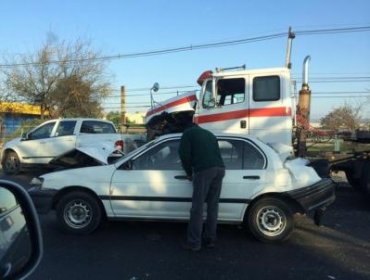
(97,127)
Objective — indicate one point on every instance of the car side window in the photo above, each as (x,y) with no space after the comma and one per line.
(66,128)
(97,127)
(252,157)
(162,157)
(231,153)
(42,132)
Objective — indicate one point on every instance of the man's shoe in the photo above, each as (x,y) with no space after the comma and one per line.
(191,247)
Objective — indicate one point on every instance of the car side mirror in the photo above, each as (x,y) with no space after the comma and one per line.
(24,136)
(21,245)
(127,165)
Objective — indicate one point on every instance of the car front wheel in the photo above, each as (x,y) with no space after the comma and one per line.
(270,220)
(11,164)
(79,212)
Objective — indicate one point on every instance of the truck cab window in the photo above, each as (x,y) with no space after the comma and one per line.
(230,91)
(208,100)
(266,88)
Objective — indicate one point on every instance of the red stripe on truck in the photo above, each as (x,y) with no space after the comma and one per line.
(260,112)
(172,104)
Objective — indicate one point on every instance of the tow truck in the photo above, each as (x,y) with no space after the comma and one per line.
(258,102)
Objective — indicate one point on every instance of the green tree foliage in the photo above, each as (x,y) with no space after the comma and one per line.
(114,117)
(345,117)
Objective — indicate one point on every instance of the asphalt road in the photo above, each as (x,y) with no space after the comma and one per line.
(142,250)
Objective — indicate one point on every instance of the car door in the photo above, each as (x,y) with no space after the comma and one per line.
(245,175)
(154,185)
(62,140)
(32,148)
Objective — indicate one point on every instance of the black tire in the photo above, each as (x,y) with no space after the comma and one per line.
(79,212)
(11,164)
(354,182)
(365,178)
(270,220)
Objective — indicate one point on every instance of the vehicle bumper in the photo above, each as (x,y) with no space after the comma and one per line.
(42,199)
(315,197)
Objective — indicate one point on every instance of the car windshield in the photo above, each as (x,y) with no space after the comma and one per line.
(137,150)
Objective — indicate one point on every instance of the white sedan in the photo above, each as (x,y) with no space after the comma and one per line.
(262,188)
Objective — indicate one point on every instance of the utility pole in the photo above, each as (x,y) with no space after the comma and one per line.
(123,108)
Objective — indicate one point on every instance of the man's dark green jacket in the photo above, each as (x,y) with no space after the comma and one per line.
(199,150)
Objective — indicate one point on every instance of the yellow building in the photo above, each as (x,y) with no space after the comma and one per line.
(12,114)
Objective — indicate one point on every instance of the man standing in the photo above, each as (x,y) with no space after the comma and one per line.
(201,159)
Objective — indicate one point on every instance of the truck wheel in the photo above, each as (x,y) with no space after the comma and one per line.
(354,182)
(79,212)
(11,164)
(270,220)
(365,178)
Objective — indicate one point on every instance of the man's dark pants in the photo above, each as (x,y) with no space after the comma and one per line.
(206,188)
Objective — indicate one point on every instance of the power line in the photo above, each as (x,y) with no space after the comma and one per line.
(313,79)
(200,46)
(344,96)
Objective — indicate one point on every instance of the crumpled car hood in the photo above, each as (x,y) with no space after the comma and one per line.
(84,156)
(302,175)
(284,151)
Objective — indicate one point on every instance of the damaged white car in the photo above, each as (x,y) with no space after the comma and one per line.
(262,189)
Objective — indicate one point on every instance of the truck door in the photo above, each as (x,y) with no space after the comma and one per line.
(270,108)
(224,106)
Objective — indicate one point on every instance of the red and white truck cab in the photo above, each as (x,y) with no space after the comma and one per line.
(256,102)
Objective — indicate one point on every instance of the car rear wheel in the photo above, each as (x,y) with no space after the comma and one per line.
(11,164)
(270,220)
(79,212)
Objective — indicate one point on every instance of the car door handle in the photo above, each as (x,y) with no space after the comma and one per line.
(181,177)
(253,177)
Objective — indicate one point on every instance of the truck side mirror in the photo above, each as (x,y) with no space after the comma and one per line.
(20,233)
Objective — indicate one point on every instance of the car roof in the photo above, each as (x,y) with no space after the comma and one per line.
(218,135)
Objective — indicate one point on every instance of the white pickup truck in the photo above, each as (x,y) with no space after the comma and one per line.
(55,137)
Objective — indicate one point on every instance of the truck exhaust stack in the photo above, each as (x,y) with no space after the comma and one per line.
(303,110)
(291,36)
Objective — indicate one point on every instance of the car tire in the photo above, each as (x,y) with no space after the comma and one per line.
(79,212)
(270,220)
(11,163)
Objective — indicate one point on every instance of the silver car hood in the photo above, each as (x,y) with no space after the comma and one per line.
(100,152)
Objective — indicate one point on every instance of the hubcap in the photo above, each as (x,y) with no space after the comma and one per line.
(12,163)
(271,221)
(77,214)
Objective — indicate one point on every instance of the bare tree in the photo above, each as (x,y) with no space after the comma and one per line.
(64,79)
(346,116)
(33,79)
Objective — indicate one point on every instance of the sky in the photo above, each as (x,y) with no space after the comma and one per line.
(340,62)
